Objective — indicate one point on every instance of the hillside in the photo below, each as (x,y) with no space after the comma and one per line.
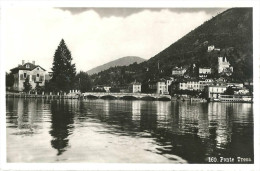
(231,31)
(124,61)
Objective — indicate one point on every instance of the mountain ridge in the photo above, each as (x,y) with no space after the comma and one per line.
(123,61)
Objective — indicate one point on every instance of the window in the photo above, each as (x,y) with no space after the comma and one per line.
(38,68)
(24,75)
(27,66)
(38,75)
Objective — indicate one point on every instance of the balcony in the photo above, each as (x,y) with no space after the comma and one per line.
(38,79)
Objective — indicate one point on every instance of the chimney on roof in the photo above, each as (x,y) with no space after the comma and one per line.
(22,62)
(33,62)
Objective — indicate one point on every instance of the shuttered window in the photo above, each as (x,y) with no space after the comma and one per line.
(41,78)
(33,77)
(21,77)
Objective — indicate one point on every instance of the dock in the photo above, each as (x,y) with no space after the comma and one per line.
(95,95)
(45,96)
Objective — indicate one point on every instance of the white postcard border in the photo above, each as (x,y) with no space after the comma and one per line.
(143,3)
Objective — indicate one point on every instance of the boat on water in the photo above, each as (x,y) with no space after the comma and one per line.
(234,98)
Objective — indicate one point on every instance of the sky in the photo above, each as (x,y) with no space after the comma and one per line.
(94,35)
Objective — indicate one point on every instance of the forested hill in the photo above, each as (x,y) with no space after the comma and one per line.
(230,31)
(124,61)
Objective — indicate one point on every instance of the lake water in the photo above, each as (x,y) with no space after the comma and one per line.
(121,131)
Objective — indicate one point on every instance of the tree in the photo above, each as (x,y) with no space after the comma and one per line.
(39,89)
(83,82)
(64,71)
(9,78)
(229,91)
(50,86)
(27,86)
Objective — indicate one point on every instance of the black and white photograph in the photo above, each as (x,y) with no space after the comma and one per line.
(129,85)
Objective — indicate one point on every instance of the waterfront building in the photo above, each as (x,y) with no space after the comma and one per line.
(35,74)
(161,87)
(178,71)
(135,87)
(224,66)
(189,84)
(214,91)
(204,83)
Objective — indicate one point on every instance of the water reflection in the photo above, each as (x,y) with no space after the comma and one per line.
(62,124)
(136,110)
(192,131)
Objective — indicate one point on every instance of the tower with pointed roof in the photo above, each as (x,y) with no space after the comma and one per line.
(224,66)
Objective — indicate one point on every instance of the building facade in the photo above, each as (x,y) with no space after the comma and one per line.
(204,72)
(204,83)
(211,48)
(224,66)
(189,85)
(178,71)
(161,87)
(214,91)
(35,73)
(135,88)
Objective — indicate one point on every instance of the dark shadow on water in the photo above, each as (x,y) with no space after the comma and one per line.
(62,125)
(129,98)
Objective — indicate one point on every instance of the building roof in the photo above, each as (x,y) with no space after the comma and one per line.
(23,67)
(178,69)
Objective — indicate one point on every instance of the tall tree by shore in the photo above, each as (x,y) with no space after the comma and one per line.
(64,71)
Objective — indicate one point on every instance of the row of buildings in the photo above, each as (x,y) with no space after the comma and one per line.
(224,68)
(178,80)
(205,82)
(134,87)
